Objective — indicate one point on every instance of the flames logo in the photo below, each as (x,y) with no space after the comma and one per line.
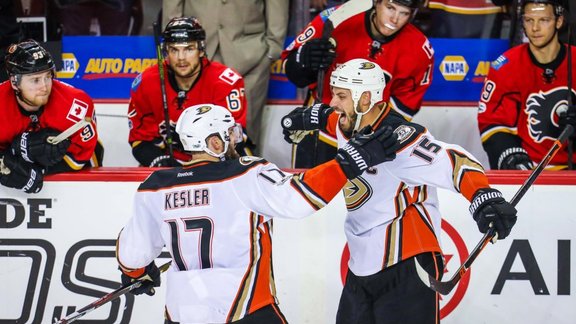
(542,110)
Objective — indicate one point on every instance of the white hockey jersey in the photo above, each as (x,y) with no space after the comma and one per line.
(393,207)
(215,218)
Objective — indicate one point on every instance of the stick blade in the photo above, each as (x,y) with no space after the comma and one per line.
(443,288)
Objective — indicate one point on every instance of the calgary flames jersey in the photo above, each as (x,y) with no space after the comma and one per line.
(66,106)
(216,220)
(522,98)
(407,57)
(216,84)
(393,207)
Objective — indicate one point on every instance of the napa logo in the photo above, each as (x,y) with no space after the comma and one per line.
(454,68)
(70,66)
(103,68)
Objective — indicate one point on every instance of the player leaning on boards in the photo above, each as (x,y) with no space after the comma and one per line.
(383,34)
(189,79)
(215,216)
(34,108)
(523,106)
(393,217)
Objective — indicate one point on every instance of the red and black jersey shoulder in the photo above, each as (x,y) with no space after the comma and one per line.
(407,131)
(200,172)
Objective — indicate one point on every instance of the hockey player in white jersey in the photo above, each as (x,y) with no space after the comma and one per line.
(393,215)
(214,215)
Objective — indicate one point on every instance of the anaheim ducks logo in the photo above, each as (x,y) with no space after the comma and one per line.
(203,109)
(542,110)
(367,66)
(356,193)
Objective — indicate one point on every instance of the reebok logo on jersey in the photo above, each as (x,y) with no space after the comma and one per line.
(185,174)
(356,157)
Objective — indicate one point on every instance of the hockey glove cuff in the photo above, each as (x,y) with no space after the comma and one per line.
(19,174)
(366,149)
(150,278)
(305,119)
(515,158)
(490,209)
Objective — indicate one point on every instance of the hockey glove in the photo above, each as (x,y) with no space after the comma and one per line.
(19,174)
(515,158)
(164,161)
(489,209)
(366,149)
(150,279)
(568,118)
(305,118)
(33,147)
(316,54)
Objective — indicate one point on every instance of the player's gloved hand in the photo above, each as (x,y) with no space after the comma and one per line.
(33,147)
(150,277)
(316,54)
(366,149)
(164,161)
(19,174)
(567,117)
(490,209)
(515,158)
(305,118)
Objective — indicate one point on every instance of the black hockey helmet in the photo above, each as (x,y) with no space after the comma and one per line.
(27,57)
(557,4)
(184,30)
(412,4)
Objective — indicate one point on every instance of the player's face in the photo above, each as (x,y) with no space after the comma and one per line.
(391,17)
(540,24)
(344,106)
(184,58)
(235,137)
(35,89)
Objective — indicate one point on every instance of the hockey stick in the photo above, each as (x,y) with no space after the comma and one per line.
(444,287)
(160,58)
(70,131)
(569,84)
(107,298)
(342,13)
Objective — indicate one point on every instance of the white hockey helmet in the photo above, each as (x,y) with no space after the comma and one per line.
(359,76)
(199,122)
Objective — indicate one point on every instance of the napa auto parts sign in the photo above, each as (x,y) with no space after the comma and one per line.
(105,66)
(57,255)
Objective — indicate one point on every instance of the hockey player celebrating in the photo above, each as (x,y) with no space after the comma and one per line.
(383,35)
(393,217)
(36,107)
(215,216)
(524,104)
(189,79)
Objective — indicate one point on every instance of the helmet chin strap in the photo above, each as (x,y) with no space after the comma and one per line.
(359,114)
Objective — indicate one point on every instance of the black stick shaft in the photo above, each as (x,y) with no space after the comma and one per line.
(160,58)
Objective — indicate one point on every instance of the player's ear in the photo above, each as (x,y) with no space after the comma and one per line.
(14,82)
(215,144)
(365,99)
